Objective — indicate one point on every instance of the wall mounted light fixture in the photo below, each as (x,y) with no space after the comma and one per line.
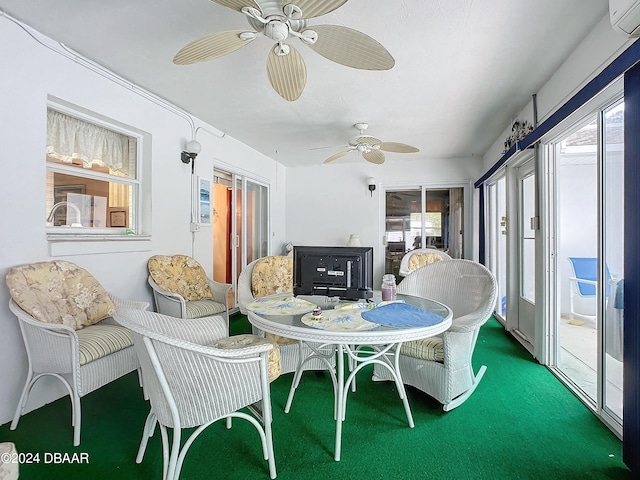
(191,151)
(371,183)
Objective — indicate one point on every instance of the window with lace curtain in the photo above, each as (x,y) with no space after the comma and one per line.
(92,177)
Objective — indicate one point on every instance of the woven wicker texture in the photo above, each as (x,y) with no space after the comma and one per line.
(83,361)
(192,384)
(470,291)
(178,280)
(276,277)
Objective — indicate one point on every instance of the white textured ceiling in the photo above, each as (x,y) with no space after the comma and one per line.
(464,68)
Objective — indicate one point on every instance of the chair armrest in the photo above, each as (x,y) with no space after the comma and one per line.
(168,303)
(583,280)
(50,327)
(47,343)
(242,352)
(470,321)
(458,348)
(220,291)
(123,303)
(245,294)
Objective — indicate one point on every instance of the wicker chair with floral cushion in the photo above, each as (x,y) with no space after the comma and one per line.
(196,375)
(65,317)
(419,258)
(9,467)
(273,275)
(441,366)
(182,289)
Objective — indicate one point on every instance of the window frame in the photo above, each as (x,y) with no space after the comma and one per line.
(89,240)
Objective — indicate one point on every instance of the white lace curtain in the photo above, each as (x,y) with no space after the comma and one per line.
(69,139)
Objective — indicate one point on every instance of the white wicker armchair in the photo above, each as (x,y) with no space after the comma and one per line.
(82,354)
(274,275)
(181,288)
(420,257)
(441,366)
(195,375)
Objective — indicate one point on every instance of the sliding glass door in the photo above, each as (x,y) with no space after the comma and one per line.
(589,252)
(613,259)
(429,217)
(240,225)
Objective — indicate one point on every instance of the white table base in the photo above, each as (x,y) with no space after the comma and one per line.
(357,359)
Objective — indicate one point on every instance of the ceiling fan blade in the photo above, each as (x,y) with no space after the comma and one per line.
(237,5)
(315,8)
(324,148)
(374,156)
(398,147)
(210,47)
(351,48)
(372,141)
(287,73)
(336,156)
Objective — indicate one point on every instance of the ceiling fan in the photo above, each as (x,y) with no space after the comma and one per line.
(280,21)
(371,148)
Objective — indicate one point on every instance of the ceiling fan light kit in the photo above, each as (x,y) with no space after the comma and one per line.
(280,20)
(371,148)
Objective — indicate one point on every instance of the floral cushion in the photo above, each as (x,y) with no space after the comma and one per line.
(271,275)
(59,292)
(279,340)
(274,366)
(180,274)
(9,466)
(418,260)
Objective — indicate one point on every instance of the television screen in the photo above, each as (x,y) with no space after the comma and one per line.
(344,272)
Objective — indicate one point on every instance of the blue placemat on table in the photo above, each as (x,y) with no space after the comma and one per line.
(401,315)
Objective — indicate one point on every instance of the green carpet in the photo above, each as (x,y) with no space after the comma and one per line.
(521,423)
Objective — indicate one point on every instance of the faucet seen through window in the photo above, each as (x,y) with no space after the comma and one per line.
(92,179)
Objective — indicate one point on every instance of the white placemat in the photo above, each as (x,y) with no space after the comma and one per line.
(338,320)
(287,305)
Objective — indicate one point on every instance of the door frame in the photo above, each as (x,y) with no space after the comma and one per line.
(239,247)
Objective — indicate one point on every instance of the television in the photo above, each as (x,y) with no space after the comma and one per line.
(343,272)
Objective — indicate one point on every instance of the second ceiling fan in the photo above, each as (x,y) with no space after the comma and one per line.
(281,20)
(371,148)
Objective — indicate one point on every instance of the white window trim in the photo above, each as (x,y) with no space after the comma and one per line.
(83,241)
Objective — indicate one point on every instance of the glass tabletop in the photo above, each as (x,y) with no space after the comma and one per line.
(292,324)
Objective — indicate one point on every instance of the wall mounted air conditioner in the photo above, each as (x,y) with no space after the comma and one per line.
(625,16)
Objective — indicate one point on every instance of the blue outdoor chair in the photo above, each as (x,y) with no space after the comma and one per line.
(585,280)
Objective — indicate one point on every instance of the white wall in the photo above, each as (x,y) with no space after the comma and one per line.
(599,48)
(32,72)
(589,58)
(326,203)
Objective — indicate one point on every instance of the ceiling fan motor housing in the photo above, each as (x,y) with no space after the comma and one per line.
(282,21)
(276,30)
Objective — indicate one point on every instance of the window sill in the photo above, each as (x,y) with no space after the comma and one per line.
(72,231)
(87,244)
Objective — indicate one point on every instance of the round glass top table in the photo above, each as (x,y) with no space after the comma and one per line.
(384,342)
